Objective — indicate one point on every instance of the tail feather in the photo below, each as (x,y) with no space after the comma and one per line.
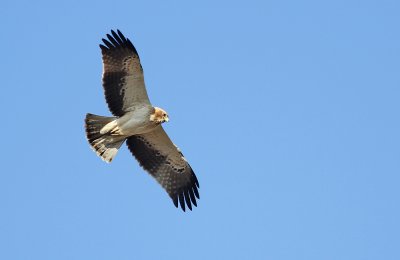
(105,145)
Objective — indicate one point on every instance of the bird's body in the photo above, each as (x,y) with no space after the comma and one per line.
(138,123)
(132,123)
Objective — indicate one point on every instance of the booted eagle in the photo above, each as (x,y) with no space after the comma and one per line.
(138,123)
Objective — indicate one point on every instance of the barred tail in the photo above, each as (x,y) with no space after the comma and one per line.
(105,145)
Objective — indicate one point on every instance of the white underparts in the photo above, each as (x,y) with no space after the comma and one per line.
(110,127)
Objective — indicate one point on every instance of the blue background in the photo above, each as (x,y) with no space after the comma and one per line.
(288,112)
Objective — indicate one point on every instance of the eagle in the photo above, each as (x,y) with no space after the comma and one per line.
(136,121)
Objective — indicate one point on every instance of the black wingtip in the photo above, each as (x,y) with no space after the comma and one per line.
(117,40)
(196,192)
(187,199)
(121,35)
(182,201)
(175,200)
(112,40)
(195,179)
(192,197)
(188,194)
(130,45)
(107,43)
(103,48)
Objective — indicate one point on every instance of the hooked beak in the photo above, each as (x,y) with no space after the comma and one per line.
(166,119)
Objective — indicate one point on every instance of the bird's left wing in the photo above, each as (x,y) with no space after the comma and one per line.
(123,79)
(163,160)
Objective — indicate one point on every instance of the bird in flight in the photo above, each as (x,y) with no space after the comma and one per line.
(138,123)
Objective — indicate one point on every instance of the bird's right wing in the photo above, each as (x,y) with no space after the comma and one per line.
(162,159)
(123,78)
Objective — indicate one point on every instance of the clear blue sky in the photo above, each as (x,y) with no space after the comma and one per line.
(288,112)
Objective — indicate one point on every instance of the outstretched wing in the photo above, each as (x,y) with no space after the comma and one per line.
(123,79)
(162,159)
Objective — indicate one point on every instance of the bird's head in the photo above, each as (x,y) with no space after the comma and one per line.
(159,116)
